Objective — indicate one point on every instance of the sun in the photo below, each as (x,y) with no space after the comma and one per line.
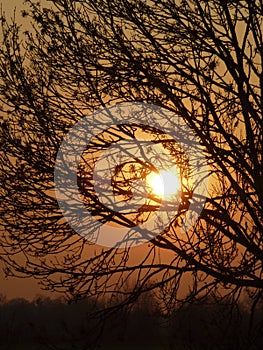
(165,183)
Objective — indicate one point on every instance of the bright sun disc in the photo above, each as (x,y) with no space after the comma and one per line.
(164,183)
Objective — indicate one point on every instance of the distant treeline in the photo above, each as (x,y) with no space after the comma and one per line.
(204,325)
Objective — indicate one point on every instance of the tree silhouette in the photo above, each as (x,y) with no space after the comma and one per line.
(201,60)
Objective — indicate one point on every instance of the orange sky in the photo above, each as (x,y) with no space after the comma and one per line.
(14,287)
(29,288)
(20,288)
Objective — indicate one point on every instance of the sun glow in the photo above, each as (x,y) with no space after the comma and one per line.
(165,183)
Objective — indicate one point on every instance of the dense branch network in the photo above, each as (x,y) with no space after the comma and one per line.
(200,59)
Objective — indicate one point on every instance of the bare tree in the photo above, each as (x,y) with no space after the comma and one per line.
(201,60)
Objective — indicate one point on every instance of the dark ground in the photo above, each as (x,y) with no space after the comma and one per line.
(54,324)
